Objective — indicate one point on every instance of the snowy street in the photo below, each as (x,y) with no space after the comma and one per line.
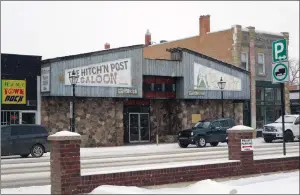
(286,183)
(17,172)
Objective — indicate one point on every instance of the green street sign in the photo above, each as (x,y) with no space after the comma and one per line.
(279,49)
(280,72)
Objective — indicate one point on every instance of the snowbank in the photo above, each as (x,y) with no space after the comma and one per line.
(286,183)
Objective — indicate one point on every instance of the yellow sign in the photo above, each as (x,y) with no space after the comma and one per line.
(13,91)
(196,118)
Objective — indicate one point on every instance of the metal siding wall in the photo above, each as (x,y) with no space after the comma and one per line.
(58,68)
(188,63)
(162,68)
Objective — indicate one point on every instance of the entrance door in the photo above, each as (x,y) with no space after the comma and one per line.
(139,130)
(28,118)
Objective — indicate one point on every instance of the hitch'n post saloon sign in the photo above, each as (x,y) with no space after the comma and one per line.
(13,92)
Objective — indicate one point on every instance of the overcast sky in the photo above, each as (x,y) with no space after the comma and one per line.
(53,29)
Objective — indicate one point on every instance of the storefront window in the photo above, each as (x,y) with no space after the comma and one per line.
(259,117)
(278,95)
(260,94)
(269,94)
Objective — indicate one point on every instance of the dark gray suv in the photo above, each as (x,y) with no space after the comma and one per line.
(23,140)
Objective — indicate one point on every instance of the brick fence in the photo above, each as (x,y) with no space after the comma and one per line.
(66,176)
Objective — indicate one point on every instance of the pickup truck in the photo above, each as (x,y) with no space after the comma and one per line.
(274,131)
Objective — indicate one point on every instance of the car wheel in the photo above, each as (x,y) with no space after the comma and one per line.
(37,151)
(24,155)
(268,140)
(183,145)
(201,142)
(214,143)
(288,136)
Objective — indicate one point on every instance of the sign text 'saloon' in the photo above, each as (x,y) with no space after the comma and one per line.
(104,73)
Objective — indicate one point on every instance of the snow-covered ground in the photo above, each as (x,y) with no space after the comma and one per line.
(277,183)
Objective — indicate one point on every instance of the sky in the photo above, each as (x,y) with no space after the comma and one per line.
(53,29)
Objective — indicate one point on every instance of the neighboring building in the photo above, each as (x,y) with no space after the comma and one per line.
(243,47)
(295,99)
(20,89)
(121,97)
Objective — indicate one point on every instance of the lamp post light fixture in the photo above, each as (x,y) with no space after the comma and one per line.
(221,85)
(73,80)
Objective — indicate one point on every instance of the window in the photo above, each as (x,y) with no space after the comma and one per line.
(244,60)
(269,94)
(224,123)
(147,87)
(278,95)
(163,87)
(261,63)
(260,94)
(215,124)
(158,87)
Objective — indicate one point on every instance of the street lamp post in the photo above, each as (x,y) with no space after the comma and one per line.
(221,85)
(73,80)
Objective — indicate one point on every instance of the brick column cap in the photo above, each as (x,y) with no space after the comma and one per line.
(240,128)
(64,136)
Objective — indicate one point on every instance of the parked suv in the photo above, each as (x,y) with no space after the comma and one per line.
(23,140)
(206,131)
(273,131)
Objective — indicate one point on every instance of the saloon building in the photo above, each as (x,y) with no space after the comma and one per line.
(122,97)
(20,89)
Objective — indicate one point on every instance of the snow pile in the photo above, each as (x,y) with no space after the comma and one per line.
(64,133)
(201,187)
(241,128)
(286,183)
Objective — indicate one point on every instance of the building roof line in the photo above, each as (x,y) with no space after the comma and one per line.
(208,58)
(89,54)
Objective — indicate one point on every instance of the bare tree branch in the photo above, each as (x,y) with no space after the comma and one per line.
(294,70)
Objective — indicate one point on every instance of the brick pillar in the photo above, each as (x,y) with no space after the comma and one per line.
(252,70)
(235,134)
(286,85)
(65,162)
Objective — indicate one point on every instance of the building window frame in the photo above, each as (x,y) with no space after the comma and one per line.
(263,64)
(246,60)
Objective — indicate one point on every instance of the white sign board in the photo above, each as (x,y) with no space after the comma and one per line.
(280,72)
(206,78)
(45,79)
(107,74)
(246,145)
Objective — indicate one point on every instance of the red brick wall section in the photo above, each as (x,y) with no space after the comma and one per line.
(66,178)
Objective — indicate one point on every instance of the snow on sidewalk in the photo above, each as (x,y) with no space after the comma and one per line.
(286,183)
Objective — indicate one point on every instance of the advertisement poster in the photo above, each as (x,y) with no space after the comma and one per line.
(13,91)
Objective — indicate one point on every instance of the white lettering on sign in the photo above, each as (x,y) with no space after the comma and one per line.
(278,49)
(106,74)
(246,145)
(45,79)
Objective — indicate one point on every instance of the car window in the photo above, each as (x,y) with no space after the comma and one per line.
(215,124)
(297,121)
(21,130)
(224,123)
(202,124)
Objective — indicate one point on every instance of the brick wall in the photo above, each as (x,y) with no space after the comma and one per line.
(66,176)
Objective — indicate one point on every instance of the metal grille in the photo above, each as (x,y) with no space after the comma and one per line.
(185,133)
(9,117)
(269,129)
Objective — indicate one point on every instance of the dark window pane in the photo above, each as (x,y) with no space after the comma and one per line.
(158,87)
(147,87)
(260,94)
(269,94)
(224,123)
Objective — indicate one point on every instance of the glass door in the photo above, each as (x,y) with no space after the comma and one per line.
(139,130)
(134,127)
(144,127)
